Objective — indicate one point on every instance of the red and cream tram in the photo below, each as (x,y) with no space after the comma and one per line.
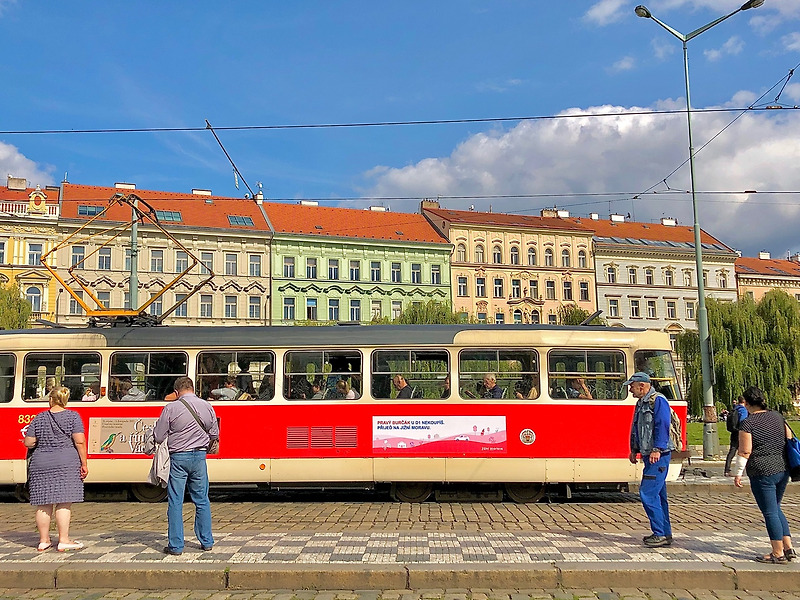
(294,423)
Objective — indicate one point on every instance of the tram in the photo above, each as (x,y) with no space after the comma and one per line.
(323,406)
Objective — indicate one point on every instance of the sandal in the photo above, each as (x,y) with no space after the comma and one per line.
(789,553)
(65,546)
(772,559)
(44,546)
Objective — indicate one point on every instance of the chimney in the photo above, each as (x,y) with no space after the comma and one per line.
(763,255)
(594,216)
(549,212)
(259,197)
(615,218)
(125,186)
(563,214)
(308,203)
(427,203)
(197,192)
(17,183)
(377,208)
(795,258)
(668,221)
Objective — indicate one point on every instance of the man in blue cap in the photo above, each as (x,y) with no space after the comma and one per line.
(650,438)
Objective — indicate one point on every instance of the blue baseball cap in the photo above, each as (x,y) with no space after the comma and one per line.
(640,376)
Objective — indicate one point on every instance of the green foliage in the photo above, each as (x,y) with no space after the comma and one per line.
(569,314)
(754,344)
(15,311)
(431,313)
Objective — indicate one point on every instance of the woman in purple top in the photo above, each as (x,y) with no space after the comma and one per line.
(57,468)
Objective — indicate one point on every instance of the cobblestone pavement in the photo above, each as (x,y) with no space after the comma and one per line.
(445,594)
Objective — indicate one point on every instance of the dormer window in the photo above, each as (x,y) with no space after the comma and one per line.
(241,221)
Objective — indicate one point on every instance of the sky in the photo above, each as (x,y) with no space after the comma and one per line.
(577,105)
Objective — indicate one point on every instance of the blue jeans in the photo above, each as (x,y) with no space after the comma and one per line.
(768,492)
(188,468)
(653,492)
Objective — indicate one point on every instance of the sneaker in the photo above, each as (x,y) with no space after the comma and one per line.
(172,551)
(206,548)
(656,541)
(650,537)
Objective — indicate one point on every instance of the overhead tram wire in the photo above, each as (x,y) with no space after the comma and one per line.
(228,156)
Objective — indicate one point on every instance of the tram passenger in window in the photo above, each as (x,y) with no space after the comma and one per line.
(228,391)
(266,389)
(244,380)
(210,378)
(525,389)
(299,388)
(446,388)
(404,390)
(355,385)
(130,393)
(381,383)
(92,392)
(317,390)
(490,387)
(343,388)
(577,388)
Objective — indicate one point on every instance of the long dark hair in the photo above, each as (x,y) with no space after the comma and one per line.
(755,397)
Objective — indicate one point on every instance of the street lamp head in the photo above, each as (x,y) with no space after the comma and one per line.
(751,4)
(641,10)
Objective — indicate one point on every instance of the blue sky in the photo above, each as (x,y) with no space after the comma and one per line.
(112,65)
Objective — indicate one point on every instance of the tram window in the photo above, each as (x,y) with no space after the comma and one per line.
(317,375)
(144,376)
(658,364)
(516,372)
(424,370)
(46,370)
(254,374)
(587,374)
(7,370)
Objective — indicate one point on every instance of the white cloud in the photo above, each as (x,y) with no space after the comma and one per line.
(733,46)
(626,63)
(791,42)
(663,48)
(793,91)
(13,162)
(5,5)
(626,153)
(605,12)
(786,8)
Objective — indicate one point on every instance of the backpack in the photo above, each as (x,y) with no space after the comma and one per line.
(732,420)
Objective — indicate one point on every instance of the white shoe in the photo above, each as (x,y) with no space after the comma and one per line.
(64,547)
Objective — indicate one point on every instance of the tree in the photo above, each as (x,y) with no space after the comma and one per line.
(753,344)
(430,313)
(569,314)
(15,311)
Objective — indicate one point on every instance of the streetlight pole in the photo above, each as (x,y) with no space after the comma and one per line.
(710,439)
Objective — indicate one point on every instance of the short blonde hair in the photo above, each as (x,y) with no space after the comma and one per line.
(59,396)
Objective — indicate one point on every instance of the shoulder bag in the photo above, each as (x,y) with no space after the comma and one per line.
(793,454)
(213,445)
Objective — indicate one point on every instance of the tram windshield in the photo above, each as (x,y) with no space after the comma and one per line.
(658,364)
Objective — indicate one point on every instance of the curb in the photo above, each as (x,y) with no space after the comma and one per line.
(570,575)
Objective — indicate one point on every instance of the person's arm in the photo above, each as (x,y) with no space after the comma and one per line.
(634,438)
(29,441)
(161,428)
(661,420)
(213,431)
(740,460)
(584,393)
(79,439)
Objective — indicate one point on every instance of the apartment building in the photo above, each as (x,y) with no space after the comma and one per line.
(755,276)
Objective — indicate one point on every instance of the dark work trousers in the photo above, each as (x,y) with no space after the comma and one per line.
(732,452)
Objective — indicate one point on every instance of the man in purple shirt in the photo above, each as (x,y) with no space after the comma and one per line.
(189,425)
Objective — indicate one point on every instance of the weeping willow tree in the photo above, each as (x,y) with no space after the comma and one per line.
(432,312)
(569,314)
(15,311)
(753,344)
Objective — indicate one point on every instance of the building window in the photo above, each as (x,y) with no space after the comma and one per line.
(497,255)
(2,252)
(750,295)
(582,259)
(518,316)
(534,287)
(481,317)
(499,318)
(461,253)
(671,312)
(333,269)
(375,270)
(206,306)
(231,307)
(255,265)
(723,280)
(207,258)
(333,309)
(181,261)
(548,257)
(550,290)
(436,274)
(157,261)
(565,258)
(396,272)
(584,291)
(535,318)
(480,287)
(311,309)
(498,288)
(355,310)
(311,268)
(173,216)
(254,307)
(687,278)
(531,257)
(690,310)
(479,258)
(231,264)
(75,307)
(375,309)
(705,278)
(516,288)
(635,309)
(78,256)
(462,286)
(355,270)
(552,319)
(668,280)
(648,276)
(514,255)
(127,259)
(567,290)
(157,306)
(397,309)
(288,309)
(105,299)
(651,309)
(632,275)
(126,300)
(34,254)
(613,307)
(288,266)
(611,275)
(181,309)
(34,296)
(416,273)
(239,220)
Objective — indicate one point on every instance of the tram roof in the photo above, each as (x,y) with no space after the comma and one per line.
(356,335)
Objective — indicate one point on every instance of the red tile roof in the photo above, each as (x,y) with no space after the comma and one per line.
(505,220)
(196,211)
(747,265)
(327,221)
(645,231)
(7,195)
